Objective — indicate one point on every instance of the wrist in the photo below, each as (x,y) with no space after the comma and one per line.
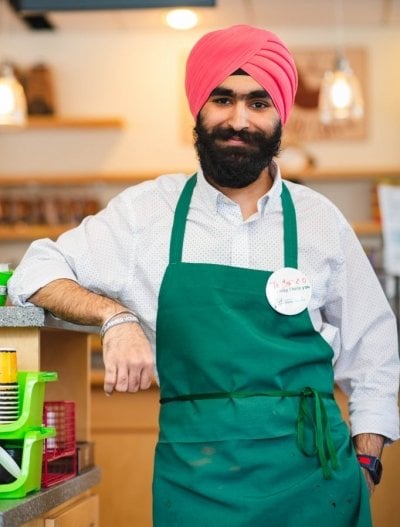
(111,310)
(123,316)
(369,444)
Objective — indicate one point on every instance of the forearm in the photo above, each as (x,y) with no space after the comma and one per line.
(128,358)
(70,301)
(370,444)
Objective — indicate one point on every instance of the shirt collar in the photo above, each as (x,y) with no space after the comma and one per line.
(212,198)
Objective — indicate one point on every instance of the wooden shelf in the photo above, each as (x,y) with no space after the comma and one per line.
(46,122)
(88,178)
(79,179)
(32,232)
(340,174)
(367,228)
(23,232)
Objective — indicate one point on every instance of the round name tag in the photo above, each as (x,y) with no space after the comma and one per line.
(288,291)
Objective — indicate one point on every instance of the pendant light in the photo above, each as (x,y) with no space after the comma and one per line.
(182,19)
(340,97)
(12,99)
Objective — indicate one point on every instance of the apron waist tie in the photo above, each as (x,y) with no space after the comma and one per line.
(324,447)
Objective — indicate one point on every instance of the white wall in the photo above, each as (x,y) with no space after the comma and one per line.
(138,75)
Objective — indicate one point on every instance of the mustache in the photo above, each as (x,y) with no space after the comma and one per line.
(252,138)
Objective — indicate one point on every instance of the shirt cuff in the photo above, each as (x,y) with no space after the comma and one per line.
(376,416)
(26,281)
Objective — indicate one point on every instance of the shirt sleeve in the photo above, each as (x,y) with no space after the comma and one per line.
(367,368)
(97,254)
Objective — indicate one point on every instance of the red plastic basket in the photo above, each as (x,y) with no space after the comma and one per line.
(59,457)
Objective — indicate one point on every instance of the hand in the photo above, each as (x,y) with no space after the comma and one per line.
(370,483)
(128,359)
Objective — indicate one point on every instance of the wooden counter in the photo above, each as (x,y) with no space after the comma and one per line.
(47,344)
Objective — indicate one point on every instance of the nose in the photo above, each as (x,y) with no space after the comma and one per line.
(239,118)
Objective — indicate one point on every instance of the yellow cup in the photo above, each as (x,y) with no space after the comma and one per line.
(8,366)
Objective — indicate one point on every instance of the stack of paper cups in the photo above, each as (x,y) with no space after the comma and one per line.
(9,401)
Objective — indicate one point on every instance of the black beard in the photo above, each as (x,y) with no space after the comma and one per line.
(235,166)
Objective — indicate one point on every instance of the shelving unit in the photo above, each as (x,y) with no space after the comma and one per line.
(21,232)
(370,175)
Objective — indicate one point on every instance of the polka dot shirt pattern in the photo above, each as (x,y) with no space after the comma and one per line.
(122,252)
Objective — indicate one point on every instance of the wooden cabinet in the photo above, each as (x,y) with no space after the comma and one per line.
(125,430)
(79,512)
(84,513)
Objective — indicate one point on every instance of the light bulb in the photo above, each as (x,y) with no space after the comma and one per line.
(12,99)
(341,91)
(182,19)
(7,99)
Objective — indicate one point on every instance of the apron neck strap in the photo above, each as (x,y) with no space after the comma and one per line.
(289,228)
(181,212)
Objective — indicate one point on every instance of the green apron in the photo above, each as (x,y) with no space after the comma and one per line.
(250,434)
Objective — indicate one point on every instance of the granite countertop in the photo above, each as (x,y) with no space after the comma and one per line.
(15,512)
(32,316)
(15,317)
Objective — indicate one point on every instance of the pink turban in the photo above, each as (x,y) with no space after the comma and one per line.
(260,53)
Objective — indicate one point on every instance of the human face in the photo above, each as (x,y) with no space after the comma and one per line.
(235,140)
(240,103)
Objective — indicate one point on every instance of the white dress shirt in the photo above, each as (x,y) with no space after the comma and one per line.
(122,252)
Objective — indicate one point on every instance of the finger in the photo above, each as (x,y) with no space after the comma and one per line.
(122,384)
(146,378)
(110,378)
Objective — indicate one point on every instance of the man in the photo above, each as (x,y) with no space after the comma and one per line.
(248,289)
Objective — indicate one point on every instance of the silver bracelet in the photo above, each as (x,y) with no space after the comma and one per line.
(107,320)
(122,317)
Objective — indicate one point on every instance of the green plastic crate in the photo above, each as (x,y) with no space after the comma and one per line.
(31,466)
(32,386)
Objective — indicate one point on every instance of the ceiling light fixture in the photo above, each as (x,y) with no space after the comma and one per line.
(182,19)
(340,96)
(13,107)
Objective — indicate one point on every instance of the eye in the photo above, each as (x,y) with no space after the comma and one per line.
(260,105)
(221,100)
